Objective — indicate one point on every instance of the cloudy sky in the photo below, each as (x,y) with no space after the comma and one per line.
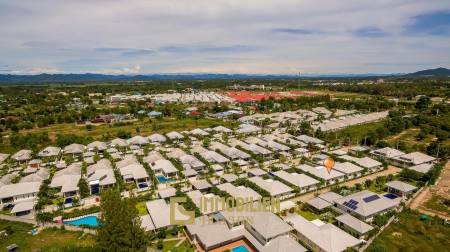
(223,36)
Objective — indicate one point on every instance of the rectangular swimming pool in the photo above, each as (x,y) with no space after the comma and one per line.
(163,179)
(241,248)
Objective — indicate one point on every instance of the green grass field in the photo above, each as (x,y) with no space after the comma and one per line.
(51,239)
(145,127)
(354,134)
(412,234)
(408,138)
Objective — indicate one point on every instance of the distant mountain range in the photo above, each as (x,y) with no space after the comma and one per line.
(437,72)
(90,77)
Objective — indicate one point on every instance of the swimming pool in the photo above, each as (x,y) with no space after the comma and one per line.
(163,179)
(241,248)
(91,221)
(390,196)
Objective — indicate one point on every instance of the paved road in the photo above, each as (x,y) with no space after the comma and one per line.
(310,195)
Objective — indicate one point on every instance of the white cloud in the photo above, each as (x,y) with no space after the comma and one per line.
(39,70)
(126,70)
(68,33)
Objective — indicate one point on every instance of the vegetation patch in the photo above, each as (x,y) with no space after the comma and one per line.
(438,203)
(416,235)
(50,239)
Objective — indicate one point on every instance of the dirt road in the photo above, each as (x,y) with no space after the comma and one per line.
(442,189)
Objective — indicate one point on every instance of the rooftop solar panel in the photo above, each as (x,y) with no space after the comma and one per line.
(371,198)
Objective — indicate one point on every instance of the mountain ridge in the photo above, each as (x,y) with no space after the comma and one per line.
(94,77)
(435,72)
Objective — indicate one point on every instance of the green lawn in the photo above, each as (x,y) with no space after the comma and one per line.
(412,234)
(142,209)
(170,246)
(308,215)
(52,239)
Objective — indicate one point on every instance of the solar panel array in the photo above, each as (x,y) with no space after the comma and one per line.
(371,198)
(352,204)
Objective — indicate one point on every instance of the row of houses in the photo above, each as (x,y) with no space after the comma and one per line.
(346,121)
(66,181)
(287,116)
(417,161)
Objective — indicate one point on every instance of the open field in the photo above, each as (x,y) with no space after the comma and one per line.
(431,199)
(334,94)
(145,127)
(408,138)
(412,234)
(51,239)
(353,134)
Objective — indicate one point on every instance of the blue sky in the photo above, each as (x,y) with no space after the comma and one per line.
(233,36)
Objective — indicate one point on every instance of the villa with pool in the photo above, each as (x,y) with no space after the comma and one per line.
(242,232)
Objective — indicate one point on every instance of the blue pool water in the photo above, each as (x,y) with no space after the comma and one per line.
(241,248)
(142,185)
(163,179)
(390,196)
(91,221)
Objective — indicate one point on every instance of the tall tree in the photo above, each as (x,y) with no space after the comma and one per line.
(83,187)
(120,228)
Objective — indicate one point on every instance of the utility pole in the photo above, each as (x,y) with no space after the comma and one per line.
(437,153)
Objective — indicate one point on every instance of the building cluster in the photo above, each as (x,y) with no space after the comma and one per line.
(175,97)
(202,96)
(268,161)
(341,122)
(319,118)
